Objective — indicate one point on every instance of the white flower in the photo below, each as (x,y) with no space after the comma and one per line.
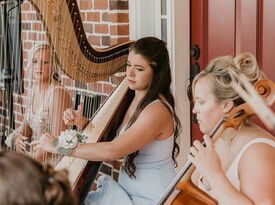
(11,138)
(68,139)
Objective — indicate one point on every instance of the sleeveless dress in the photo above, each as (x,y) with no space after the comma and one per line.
(232,172)
(40,121)
(154,172)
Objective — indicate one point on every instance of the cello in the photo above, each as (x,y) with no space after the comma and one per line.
(182,190)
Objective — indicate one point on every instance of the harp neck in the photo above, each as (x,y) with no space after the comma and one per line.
(66,33)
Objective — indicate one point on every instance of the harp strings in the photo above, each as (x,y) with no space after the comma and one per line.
(59,35)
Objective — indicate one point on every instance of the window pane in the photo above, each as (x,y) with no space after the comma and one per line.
(163,7)
(164,30)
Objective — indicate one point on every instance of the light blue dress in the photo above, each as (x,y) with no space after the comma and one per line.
(154,172)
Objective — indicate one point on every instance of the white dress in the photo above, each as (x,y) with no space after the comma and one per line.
(39,121)
(154,172)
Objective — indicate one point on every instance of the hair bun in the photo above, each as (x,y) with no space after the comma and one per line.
(246,63)
(57,180)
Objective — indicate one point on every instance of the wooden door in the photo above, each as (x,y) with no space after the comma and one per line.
(231,27)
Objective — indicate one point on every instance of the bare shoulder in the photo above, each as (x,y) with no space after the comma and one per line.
(257,168)
(60,94)
(260,150)
(59,90)
(59,98)
(156,110)
(158,118)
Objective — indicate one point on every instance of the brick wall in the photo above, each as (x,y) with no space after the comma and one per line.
(106,23)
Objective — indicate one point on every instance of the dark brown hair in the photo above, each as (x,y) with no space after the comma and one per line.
(154,51)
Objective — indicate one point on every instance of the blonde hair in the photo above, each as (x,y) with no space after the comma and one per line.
(223,69)
(53,59)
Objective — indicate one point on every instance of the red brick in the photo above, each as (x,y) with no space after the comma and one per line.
(94,40)
(31,17)
(116,80)
(107,88)
(118,5)
(17,124)
(83,15)
(67,81)
(37,26)
(24,17)
(36,36)
(96,87)
(88,28)
(23,36)
(25,6)
(101,28)
(119,40)
(16,107)
(19,117)
(26,26)
(93,16)
(85,5)
(105,16)
(119,30)
(119,17)
(25,54)
(101,4)
(106,41)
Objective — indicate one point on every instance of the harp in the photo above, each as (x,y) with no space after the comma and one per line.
(83,63)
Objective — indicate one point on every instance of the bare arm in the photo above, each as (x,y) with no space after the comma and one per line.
(153,123)
(59,102)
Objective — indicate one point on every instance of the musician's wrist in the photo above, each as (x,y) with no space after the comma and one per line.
(68,141)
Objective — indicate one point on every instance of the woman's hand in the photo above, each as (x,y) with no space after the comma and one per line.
(206,158)
(20,143)
(45,142)
(74,117)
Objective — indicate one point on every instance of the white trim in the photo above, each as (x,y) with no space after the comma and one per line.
(141,20)
(181,69)
(170,29)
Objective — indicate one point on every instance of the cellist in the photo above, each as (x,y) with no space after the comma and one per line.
(239,167)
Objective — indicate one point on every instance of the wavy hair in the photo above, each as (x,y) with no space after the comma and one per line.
(223,70)
(154,51)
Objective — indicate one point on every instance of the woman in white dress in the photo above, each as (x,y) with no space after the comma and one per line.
(46,102)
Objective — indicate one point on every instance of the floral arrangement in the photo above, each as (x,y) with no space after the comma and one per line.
(10,138)
(68,140)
